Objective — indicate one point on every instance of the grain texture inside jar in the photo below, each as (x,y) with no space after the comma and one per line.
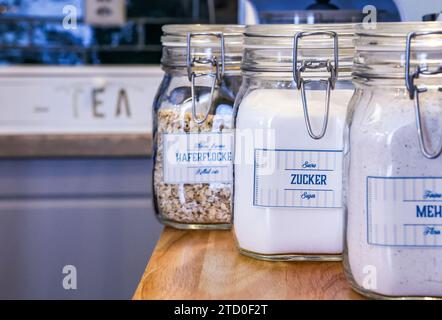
(189,203)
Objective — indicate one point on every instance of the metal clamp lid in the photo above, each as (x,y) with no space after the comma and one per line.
(315,64)
(216,77)
(414,90)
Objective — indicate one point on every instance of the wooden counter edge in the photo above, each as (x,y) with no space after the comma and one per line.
(187,265)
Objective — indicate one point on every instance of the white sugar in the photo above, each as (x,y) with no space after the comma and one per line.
(289,229)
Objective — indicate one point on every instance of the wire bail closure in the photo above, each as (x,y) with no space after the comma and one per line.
(213,62)
(414,90)
(315,64)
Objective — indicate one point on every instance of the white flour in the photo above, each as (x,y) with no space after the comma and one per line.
(286,230)
(384,142)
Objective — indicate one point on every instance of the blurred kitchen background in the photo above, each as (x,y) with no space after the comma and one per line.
(77,81)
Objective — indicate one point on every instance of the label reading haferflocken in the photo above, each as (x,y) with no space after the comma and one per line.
(404,211)
(298,178)
(198,157)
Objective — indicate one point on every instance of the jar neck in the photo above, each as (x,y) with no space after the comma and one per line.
(311,64)
(256,80)
(343,76)
(399,54)
(178,56)
(230,71)
(389,83)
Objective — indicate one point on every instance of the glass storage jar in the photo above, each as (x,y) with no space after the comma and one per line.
(394,191)
(193,115)
(290,116)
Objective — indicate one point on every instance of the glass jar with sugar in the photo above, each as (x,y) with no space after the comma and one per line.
(290,116)
(193,116)
(394,193)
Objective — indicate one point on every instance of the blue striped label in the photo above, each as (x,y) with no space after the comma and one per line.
(298,178)
(198,157)
(404,211)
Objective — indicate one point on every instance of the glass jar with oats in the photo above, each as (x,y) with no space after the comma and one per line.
(193,125)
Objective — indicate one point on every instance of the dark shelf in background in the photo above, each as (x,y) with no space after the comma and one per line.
(38,39)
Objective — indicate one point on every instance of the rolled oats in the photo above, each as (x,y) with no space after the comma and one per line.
(200,203)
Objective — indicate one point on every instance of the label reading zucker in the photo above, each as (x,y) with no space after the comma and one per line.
(298,178)
(198,157)
(404,211)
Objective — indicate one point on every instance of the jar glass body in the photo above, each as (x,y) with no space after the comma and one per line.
(393,243)
(192,192)
(288,186)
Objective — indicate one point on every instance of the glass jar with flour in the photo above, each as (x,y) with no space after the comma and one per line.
(193,116)
(290,116)
(394,198)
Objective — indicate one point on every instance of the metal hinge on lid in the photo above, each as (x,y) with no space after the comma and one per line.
(414,90)
(304,65)
(213,62)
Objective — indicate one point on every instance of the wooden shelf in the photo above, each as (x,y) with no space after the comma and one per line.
(207,265)
(75,145)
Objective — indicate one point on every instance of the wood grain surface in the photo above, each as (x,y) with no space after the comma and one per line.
(206,265)
(79,145)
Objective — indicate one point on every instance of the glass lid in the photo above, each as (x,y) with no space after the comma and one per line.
(203,34)
(282,35)
(392,36)
(199,45)
(313,48)
(388,50)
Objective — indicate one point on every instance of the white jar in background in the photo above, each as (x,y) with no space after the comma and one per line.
(394,198)
(288,199)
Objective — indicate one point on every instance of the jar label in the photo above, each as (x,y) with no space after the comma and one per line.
(298,178)
(404,211)
(198,157)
